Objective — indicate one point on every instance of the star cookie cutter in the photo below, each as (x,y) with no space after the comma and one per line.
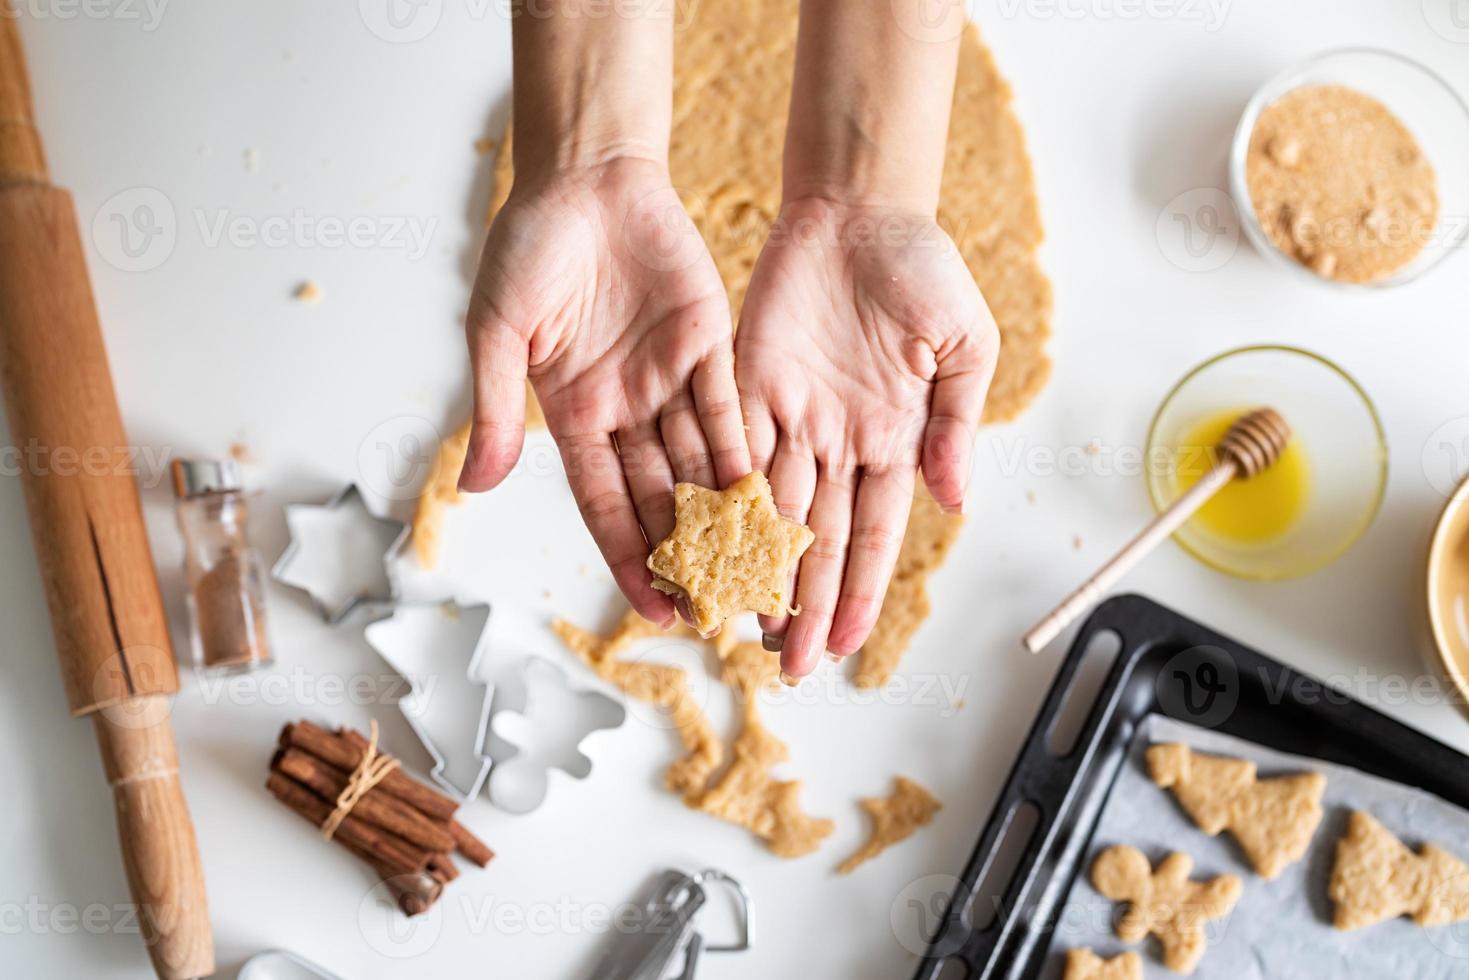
(341,554)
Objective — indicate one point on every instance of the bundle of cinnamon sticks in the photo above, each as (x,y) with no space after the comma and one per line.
(404,830)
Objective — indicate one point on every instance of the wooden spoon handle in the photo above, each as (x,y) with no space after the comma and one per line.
(159,852)
(1090,591)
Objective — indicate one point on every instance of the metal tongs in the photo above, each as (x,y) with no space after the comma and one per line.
(667,930)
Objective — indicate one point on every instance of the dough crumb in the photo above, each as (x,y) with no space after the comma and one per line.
(1083,964)
(1272,819)
(1164,902)
(308,292)
(730,551)
(1340,184)
(1377,878)
(893,819)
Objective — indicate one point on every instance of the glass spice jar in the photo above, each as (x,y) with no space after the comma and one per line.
(224,574)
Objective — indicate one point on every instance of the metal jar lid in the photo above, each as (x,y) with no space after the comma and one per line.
(192,477)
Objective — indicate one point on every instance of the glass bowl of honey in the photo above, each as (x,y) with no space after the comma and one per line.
(1307,509)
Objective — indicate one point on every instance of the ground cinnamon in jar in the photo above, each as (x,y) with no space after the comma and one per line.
(225,576)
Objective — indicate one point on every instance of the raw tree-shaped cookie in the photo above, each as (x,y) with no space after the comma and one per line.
(1164,902)
(1272,819)
(893,819)
(1083,964)
(1376,878)
(730,551)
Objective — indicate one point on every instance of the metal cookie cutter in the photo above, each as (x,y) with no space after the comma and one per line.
(439,647)
(562,716)
(341,553)
(668,933)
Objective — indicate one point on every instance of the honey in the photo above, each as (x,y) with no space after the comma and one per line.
(1259,510)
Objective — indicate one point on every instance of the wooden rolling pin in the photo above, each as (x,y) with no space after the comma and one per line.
(87,523)
(1254,442)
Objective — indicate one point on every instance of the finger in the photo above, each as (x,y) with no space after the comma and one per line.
(684,439)
(760,432)
(820,577)
(960,386)
(498,357)
(793,484)
(717,401)
(595,473)
(649,478)
(884,497)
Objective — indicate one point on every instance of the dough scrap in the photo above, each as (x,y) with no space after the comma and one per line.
(664,685)
(893,820)
(1083,964)
(730,551)
(1340,184)
(905,606)
(1164,902)
(441,490)
(732,81)
(1272,819)
(746,793)
(1377,878)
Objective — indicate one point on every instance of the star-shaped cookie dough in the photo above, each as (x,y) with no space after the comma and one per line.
(730,551)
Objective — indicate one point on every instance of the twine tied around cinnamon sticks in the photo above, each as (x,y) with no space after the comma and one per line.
(372,770)
(404,830)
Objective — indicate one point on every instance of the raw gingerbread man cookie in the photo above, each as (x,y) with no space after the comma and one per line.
(1376,878)
(1164,902)
(1272,819)
(1083,964)
(730,551)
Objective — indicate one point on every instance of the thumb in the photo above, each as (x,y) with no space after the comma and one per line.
(498,357)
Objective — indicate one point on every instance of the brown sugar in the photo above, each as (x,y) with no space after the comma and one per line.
(1340,184)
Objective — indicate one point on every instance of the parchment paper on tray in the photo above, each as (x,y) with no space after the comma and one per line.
(1281,929)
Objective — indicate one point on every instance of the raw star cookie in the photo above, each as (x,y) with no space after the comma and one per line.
(1340,184)
(893,819)
(1376,878)
(1272,819)
(1083,964)
(730,551)
(1164,902)
(905,606)
(732,83)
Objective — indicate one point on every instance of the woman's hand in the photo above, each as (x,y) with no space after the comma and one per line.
(595,282)
(864,353)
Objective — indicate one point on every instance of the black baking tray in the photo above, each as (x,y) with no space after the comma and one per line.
(1169,665)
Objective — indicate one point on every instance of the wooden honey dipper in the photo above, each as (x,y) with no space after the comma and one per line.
(1253,443)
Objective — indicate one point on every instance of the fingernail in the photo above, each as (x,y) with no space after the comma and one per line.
(834,657)
(788,680)
(772,644)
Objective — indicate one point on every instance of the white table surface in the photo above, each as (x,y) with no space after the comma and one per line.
(1123,112)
